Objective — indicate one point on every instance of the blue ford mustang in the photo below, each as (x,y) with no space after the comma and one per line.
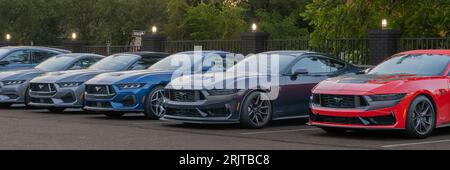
(118,93)
(286,95)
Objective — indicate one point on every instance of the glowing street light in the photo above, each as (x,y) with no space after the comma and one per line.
(8,37)
(74,36)
(154,29)
(384,23)
(254,27)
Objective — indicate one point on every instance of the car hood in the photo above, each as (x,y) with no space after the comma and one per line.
(68,76)
(367,84)
(215,80)
(140,76)
(27,74)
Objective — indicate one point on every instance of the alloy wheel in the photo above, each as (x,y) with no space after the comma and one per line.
(423,117)
(157,103)
(259,110)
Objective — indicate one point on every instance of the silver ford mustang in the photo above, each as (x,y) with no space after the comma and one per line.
(14,84)
(57,91)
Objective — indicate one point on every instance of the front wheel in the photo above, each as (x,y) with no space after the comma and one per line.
(421,119)
(256,111)
(154,104)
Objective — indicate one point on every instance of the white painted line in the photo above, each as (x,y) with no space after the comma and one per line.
(418,143)
(279,131)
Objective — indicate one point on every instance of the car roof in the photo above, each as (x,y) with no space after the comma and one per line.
(433,52)
(205,52)
(36,48)
(77,55)
(148,54)
(296,53)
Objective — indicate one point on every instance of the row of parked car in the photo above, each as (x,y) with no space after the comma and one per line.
(408,91)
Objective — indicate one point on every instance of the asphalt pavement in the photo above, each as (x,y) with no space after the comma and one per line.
(36,129)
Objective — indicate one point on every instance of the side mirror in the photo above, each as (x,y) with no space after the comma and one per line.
(300,72)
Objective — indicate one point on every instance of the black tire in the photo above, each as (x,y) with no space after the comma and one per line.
(256,113)
(5,105)
(56,110)
(334,130)
(154,104)
(421,118)
(114,115)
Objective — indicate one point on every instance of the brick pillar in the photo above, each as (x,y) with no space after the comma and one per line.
(382,44)
(8,43)
(74,45)
(254,42)
(154,42)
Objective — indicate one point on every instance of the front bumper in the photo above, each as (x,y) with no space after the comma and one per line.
(123,100)
(61,98)
(13,93)
(211,110)
(388,118)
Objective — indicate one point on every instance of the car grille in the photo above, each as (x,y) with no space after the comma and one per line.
(369,121)
(208,113)
(99,104)
(42,87)
(41,100)
(339,101)
(184,95)
(100,90)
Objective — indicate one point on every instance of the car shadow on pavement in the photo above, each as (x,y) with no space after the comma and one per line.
(379,135)
(279,123)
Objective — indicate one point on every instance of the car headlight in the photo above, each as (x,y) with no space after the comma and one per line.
(387,97)
(222,92)
(384,101)
(13,82)
(131,86)
(70,84)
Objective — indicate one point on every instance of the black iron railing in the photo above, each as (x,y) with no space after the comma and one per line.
(406,44)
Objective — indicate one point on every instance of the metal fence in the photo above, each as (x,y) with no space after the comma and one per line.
(355,51)
(406,44)
(189,45)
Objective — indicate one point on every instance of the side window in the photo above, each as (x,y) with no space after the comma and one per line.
(145,62)
(82,64)
(314,65)
(40,56)
(336,65)
(18,57)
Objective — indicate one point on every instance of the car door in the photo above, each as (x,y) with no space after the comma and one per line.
(296,91)
(19,59)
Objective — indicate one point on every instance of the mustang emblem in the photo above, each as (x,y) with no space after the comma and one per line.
(41,86)
(339,100)
(98,89)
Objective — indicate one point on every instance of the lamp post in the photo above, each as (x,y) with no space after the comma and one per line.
(384,24)
(8,37)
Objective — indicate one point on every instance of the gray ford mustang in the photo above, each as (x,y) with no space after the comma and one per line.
(65,89)
(14,84)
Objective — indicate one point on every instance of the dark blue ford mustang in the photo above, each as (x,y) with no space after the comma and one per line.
(234,99)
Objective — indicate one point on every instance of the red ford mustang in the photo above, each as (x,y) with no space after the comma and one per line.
(409,92)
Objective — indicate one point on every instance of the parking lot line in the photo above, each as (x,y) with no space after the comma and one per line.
(279,131)
(417,143)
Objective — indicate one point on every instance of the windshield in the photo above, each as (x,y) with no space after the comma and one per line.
(181,62)
(56,63)
(117,62)
(421,65)
(266,63)
(3,52)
